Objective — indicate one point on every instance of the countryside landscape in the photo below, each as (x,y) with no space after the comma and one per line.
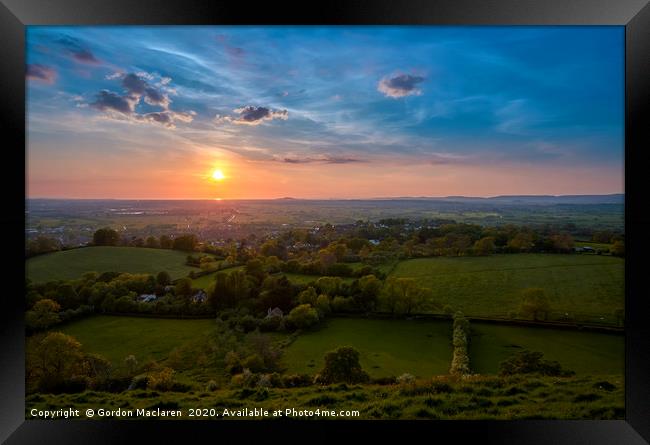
(213,230)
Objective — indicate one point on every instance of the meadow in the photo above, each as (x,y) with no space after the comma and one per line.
(474,398)
(587,287)
(579,351)
(72,264)
(116,337)
(387,347)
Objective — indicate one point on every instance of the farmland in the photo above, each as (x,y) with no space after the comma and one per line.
(387,347)
(587,285)
(71,264)
(583,352)
(145,338)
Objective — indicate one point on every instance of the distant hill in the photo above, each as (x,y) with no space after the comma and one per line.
(618,198)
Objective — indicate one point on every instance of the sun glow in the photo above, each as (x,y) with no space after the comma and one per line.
(218,175)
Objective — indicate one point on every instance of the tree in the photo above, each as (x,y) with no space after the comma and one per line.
(562,242)
(342,365)
(530,362)
(308,296)
(404,294)
(323,305)
(163,278)
(369,291)
(618,248)
(329,285)
(183,287)
(523,242)
(44,314)
(185,243)
(534,302)
(152,242)
(106,237)
(255,268)
(484,246)
(303,316)
(166,242)
(42,244)
(57,357)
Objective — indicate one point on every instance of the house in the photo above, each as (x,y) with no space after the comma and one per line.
(374,242)
(275,312)
(146,298)
(200,297)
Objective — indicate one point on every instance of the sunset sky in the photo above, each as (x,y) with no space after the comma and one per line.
(323,112)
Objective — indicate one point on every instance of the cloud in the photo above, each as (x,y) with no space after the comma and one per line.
(137,88)
(110,101)
(251,115)
(136,85)
(324,159)
(78,51)
(400,85)
(41,73)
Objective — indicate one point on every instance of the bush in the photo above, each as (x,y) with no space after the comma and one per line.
(460,359)
(296,380)
(342,304)
(253,362)
(406,379)
(530,362)
(271,324)
(211,386)
(342,365)
(302,316)
(162,380)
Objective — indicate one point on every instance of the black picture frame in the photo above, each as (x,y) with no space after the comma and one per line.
(633,14)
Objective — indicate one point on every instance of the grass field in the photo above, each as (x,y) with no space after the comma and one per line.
(146,338)
(387,347)
(204,281)
(485,397)
(490,286)
(583,352)
(71,264)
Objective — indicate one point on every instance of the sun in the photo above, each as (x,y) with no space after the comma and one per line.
(218,175)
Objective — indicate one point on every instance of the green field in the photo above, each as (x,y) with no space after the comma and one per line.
(146,338)
(484,397)
(581,285)
(602,246)
(204,281)
(387,347)
(72,264)
(580,351)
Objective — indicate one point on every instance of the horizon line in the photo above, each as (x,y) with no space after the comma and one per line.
(323,198)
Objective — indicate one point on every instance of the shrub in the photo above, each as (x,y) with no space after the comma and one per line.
(530,362)
(303,316)
(341,304)
(296,380)
(162,380)
(139,382)
(269,324)
(460,360)
(211,386)
(406,379)
(342,365)
(253,362)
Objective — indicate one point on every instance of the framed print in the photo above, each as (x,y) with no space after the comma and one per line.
(248,219)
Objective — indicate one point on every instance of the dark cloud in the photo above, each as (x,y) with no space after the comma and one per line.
(41,73)
(251,115)
(137,85)
(323,159)
(400,85)
(110,101)
(78,51)
(137,88)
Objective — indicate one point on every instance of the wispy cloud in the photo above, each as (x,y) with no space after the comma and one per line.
(41,73)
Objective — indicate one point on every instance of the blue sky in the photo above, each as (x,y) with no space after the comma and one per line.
(339,104)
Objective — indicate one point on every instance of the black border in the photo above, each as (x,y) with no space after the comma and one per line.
(633,14)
